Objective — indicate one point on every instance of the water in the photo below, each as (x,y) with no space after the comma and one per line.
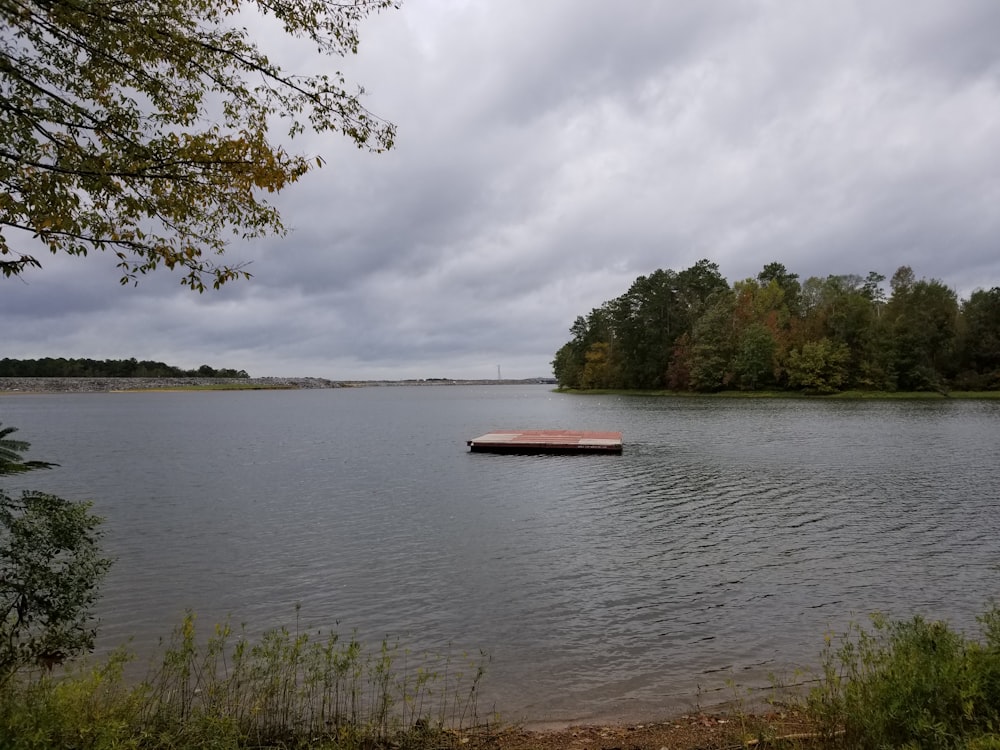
(717,550)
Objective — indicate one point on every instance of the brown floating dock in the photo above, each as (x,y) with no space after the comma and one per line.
(547,441)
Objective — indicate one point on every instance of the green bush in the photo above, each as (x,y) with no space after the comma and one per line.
(911,684)
(51,565)
(93,708)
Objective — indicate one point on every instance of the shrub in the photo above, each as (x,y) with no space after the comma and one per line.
(911,684)
(51,565)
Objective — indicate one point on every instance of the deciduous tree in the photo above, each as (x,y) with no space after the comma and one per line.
(981,334)
(840,333)
(923,317)
(146,128)
(754,363)
(819,366)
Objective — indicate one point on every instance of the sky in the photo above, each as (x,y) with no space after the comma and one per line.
(551,151)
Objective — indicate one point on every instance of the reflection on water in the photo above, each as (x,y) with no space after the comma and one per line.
(722,544)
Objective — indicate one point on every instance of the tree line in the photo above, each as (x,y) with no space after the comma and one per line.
(693,331)
(48,367)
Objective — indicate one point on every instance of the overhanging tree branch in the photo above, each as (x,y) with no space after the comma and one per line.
(110,121)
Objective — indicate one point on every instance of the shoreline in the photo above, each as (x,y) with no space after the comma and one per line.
(26,386)
(124,385)
(690,731)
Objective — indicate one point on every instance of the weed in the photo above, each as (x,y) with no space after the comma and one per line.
(289,688)
(912,684)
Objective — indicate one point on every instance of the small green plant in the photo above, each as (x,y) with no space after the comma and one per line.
(89,707)
(910,683)
(287,688)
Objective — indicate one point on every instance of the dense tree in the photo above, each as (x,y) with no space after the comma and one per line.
(787,282)
(696,287)
(638,331)
(571,359)
(599,370)
(647,320)
(691,331)
(819,366)
(902,281)
(754,363)
(50,568)
(144,128)
(872,289)
(678,375)
(980,338)
(49,367)
(923,317)
(845,311)
(567,366)
(713,345)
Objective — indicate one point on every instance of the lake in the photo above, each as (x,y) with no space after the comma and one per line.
(718,549)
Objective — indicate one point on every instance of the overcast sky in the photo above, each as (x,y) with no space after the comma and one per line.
(549,152)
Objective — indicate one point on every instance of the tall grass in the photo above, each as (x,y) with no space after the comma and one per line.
(288,688)
(911,684)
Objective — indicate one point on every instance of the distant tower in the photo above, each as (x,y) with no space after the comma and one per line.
(498,373)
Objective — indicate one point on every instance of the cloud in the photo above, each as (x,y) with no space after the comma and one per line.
(550,153)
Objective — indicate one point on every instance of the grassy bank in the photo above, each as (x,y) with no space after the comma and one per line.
(885,684)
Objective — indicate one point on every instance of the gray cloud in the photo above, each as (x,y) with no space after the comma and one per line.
(549,153)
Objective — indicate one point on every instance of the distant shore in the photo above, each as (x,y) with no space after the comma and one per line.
(120,385)
(113,385)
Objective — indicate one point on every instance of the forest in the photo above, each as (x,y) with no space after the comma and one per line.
(693,331)
(60,367)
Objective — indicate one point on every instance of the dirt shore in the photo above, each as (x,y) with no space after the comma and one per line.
(781,728)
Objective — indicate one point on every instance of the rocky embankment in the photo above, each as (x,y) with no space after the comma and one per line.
(107,385)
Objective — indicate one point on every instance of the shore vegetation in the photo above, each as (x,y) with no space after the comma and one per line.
(287,688)
(882,684)
(911,684)
(51,565)
(693,331)
(839,396)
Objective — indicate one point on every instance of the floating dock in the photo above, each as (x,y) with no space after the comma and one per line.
(547,441)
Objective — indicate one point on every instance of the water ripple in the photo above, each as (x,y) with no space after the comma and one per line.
(719,547)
